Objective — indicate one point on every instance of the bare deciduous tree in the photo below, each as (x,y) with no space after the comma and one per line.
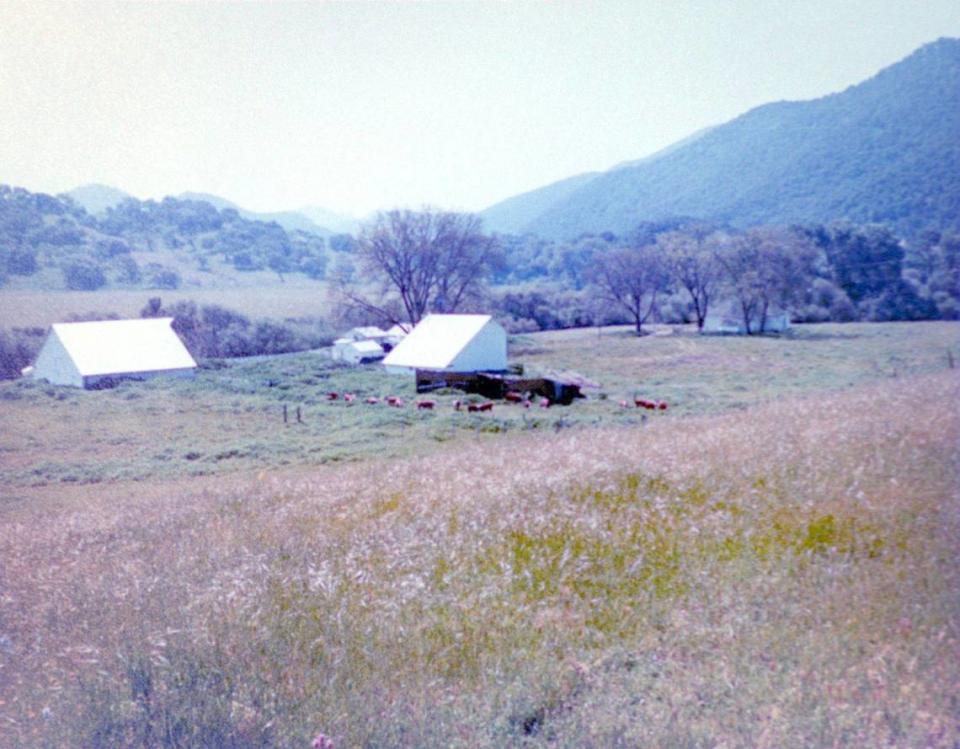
(690,259)
(763,268)
(631,278)
(409,263)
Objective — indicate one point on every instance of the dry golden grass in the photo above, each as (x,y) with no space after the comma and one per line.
(780,576)
(296,298)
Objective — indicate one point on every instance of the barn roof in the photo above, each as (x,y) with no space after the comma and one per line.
(436,341)
(118,346)
(366,347)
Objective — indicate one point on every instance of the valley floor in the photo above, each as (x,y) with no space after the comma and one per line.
(774,562)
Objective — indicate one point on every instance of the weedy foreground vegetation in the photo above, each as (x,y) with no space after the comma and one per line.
(772,563)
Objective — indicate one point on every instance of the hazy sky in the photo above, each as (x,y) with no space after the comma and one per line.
(366,105)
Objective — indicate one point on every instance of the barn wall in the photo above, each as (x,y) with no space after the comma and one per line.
(486,351)
(55,365)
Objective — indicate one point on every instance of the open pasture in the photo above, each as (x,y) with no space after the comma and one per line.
(296,298)
(772,562)
(230,418)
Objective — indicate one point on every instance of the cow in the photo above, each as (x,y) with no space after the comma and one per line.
(349,397)
(479,407)
(545,403)
(512,396)
(426,405)
(372,400)
(332,396)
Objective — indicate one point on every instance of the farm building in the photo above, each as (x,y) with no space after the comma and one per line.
(349,351)
(368,333)
(451,343)
(728,318)
(93,354)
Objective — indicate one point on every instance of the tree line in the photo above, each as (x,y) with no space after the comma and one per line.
(408,263)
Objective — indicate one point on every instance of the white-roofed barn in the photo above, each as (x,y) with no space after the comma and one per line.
(451,343)
(88,354)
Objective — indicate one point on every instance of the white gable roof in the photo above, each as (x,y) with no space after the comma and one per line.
(369,332)
(120,346)
(438,340)
(366,347)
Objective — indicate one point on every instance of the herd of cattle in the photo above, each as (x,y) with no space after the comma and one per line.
(520,399)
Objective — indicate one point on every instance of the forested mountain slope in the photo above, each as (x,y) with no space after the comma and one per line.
(886,150)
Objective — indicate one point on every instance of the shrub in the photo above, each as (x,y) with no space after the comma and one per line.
(18,349)
(83,275)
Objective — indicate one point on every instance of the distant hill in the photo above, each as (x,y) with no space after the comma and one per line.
(290,220)
(49,242)
(95,199)
(886,151)
(335,222)
(513,215)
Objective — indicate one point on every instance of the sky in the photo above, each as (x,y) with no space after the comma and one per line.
(362,106)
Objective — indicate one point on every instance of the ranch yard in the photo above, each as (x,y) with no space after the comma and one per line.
(771,561)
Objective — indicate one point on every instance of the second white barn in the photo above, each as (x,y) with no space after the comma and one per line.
(451,343)
(85,354)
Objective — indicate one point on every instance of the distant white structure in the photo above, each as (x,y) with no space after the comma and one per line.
(451,343)
(368,333)
(83,354)
(728,318)
(349,351)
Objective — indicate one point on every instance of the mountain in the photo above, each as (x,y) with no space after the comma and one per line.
(289,220)
(512,215)
(95,199)
(885,151)
(336,222)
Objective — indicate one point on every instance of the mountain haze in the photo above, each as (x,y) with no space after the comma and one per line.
(886,150)
(95,199)
(289,220)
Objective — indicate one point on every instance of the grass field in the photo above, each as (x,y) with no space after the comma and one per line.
(296,298)
(771,562)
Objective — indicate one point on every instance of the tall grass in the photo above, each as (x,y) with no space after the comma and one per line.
(781,576)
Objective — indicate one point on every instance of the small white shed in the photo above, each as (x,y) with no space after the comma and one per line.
(85,354)
(451,343)
(349,351)
(728,319)
(367,333)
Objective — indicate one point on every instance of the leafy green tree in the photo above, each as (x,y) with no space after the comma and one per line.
(83,275)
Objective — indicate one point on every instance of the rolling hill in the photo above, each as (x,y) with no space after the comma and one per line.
(886,151)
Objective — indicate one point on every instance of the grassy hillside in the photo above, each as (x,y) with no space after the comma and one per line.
(772,563)
(884,151)
(51,243)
